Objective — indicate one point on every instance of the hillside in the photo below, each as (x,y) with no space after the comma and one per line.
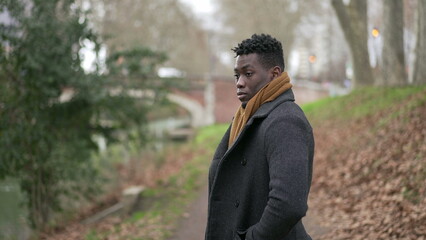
(370,164)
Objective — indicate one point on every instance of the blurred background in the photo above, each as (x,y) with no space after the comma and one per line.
(99,96)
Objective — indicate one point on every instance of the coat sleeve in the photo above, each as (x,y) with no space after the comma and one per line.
(289,148)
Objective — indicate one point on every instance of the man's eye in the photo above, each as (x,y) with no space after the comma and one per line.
(249,74)
(237,76)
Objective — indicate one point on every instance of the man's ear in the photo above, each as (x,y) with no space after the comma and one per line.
(276,72)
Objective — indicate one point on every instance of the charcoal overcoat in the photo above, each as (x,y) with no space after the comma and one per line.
(258,188)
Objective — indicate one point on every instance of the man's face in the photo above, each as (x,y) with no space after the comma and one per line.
(250,76)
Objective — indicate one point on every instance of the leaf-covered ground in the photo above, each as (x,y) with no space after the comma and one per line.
(370,164)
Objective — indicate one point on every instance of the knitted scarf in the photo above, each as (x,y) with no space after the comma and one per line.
(266,94)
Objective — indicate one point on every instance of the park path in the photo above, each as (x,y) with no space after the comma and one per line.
(193,222)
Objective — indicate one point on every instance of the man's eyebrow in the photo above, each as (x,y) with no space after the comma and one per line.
(243,67)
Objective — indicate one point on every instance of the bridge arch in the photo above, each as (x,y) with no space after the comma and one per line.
(196,110)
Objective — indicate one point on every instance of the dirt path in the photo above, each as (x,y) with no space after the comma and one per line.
(193,223)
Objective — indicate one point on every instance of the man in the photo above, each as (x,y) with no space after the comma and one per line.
(261,172)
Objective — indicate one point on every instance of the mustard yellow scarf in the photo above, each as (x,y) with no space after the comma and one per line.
(266,94)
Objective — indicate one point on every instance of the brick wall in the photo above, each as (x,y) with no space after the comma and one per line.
(226,100)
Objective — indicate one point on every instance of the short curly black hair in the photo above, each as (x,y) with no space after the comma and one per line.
(268,48)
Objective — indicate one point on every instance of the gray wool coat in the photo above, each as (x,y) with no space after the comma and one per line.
(258,188)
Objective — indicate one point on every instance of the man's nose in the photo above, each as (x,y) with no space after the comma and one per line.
(240,82)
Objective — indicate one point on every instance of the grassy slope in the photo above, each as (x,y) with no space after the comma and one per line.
(360,103)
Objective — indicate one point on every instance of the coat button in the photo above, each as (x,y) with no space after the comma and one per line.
(237,203)
(244,161)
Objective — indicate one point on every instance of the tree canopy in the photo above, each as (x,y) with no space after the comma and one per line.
(50,109)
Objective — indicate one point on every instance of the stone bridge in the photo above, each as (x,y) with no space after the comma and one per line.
(213,100)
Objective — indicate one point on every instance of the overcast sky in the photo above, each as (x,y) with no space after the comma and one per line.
(200,7)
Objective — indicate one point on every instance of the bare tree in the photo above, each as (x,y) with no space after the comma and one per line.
(162,25)
(318,34)
(420,63)
(277,18)
(353,20)
(393,69)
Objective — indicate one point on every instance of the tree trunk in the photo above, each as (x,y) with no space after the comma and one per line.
(419,76)
(393,69)
(353,20)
